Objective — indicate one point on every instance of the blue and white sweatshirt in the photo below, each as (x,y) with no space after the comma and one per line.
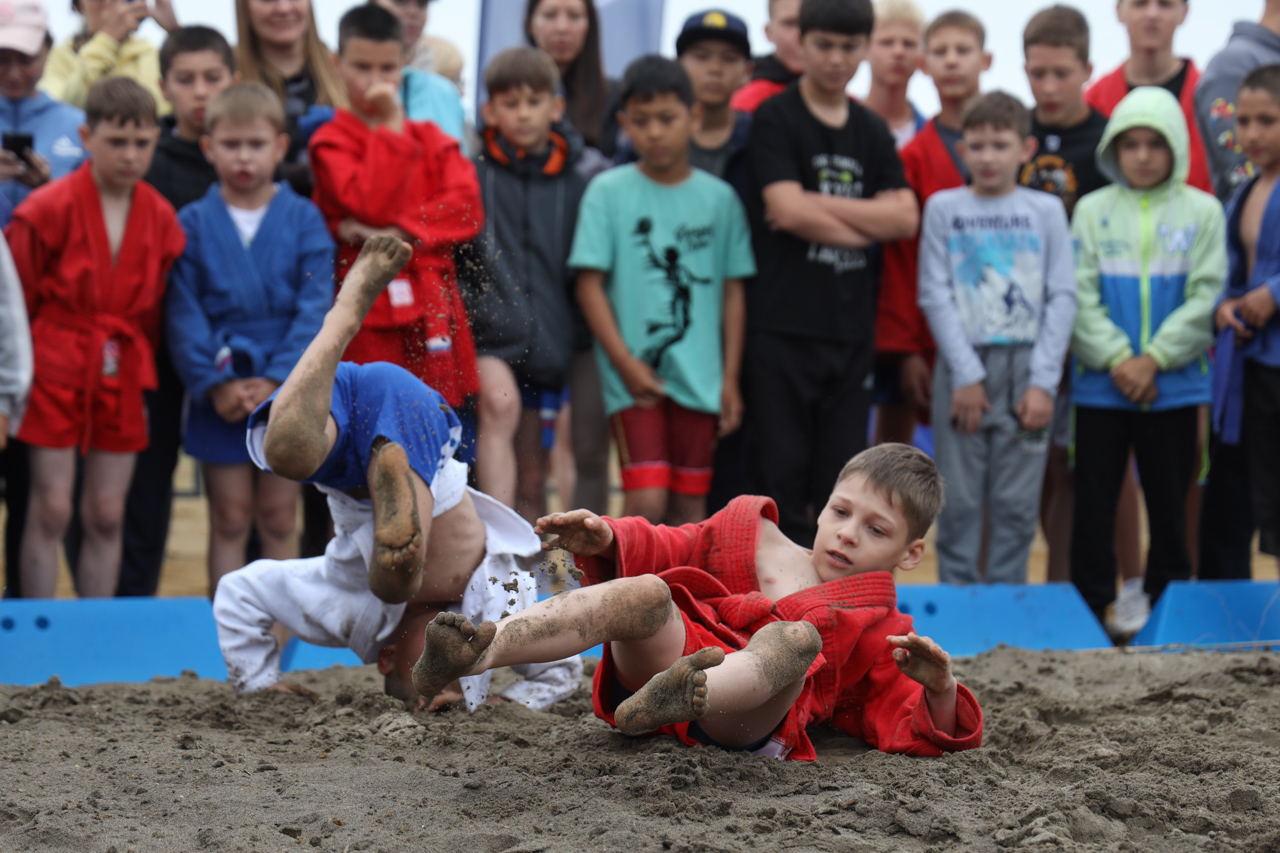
(55,127)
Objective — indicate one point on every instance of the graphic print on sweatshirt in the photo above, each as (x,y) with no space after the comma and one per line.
(998,272)
(668,330)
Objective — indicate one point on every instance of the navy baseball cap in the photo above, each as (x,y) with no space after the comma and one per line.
(714,25)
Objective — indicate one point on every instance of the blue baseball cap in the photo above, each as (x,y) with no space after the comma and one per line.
(714,25)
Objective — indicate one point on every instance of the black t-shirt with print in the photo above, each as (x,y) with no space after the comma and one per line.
(1066,162)
(804,288)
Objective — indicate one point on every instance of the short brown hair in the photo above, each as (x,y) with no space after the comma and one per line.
(1058,26)
(521,66)
(907,477)
(1266,79)
(119,99)
(957,19)
(245,102)
(999,110)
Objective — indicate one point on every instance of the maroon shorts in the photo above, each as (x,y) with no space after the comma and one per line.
(665,446)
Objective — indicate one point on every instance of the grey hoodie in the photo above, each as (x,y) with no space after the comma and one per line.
(15,342)
(1250,46)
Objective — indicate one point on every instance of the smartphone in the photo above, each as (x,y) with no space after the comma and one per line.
(19,144)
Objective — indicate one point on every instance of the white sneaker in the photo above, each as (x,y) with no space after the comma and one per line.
(1132,609)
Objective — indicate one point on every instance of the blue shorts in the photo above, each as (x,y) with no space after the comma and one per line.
(546,401)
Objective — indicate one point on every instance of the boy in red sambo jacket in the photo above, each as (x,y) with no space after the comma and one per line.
(726,633)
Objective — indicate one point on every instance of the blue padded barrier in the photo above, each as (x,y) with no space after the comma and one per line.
(968,620)
(1214,612)
(84,641)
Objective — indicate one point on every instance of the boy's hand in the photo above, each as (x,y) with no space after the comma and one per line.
(295,689)
(1035,409)
(922,660)
(383,103)
(163,14)
(1257,307)
(1136,378)
(730,409)
(37,172)
(1228,315)
(642,382)
(967,407)
(917,384)
(580,532)
(258,390)
(231,401)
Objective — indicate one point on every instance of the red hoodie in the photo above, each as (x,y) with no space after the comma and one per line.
(853,685)
(901,328)
(1105,92)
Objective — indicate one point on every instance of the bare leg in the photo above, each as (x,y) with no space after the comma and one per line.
(563,467)
(299,432)
(275,510)
(686,509)
(230,518)
(499,420)
(739,701)
(531,467)
(399,539)
(53,475)
(1056,504)
(106,484)
(636,614)
(895,422)
(649,504)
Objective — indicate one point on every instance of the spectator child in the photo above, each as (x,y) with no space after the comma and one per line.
(661,249)
(1151,254)
(15,349)
(53,126)
(92,250)
(1151,25)
(424,94)
(108,46)
(954,57)
(896,53)
(696,645)
(1251,46)
(715,52)
(774,73)
(246,297)
(376,172)
(531,182)
(826,185)
(1247,383)
(997,288)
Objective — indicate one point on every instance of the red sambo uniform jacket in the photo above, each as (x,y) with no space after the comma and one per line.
(420,182)
(95,321)
(853,685)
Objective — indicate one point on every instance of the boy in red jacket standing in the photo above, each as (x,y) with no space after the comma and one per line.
(954,57)
(378,173)
(727,633)
(1151,25)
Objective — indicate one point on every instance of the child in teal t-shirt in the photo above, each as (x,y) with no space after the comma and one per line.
(661,249)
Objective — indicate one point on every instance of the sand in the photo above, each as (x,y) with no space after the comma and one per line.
(1112,751)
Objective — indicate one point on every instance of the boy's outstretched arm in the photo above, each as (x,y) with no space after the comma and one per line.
(924,661)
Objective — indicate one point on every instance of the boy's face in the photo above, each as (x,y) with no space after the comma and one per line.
(1146,160)
(1258,128)
(895,52)
(716,69)
(994,157)
(365,63)
(192,82)
(121,153)
(955,61)
(860,530)
(831,59)
(523,116)
(245,154)
(19,73)
(783,30)
(412,14)
(659,128)
(1057,79)
(1151,23)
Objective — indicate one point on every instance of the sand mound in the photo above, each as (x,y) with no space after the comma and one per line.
(1116,752)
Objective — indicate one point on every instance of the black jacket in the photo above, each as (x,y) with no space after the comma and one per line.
(178,169)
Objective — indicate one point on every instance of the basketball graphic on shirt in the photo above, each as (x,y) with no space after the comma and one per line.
(671,329)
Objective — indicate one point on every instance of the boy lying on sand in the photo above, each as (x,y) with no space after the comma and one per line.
(411,539)
(726,633)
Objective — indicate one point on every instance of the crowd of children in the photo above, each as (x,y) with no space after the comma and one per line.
(758,263)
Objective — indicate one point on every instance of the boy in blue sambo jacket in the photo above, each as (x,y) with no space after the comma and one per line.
(1150,257)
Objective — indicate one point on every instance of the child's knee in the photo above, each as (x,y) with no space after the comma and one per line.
(102,515)
(800,638)
(51,511)
(649,599)
(230,519)
(500,406)
(278,520)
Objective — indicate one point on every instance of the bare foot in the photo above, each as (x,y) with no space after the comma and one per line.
(382,257)
(450,650)
(678,695)
(395,572)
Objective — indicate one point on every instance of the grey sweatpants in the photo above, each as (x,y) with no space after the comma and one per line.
(1000,468)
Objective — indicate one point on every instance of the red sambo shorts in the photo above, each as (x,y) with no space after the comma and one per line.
(666,446)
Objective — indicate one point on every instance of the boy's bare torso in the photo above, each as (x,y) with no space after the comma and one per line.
(1251,220)
(115,214)
(782,567)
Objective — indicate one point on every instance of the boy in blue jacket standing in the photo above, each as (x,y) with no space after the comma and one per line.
(1149,262)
